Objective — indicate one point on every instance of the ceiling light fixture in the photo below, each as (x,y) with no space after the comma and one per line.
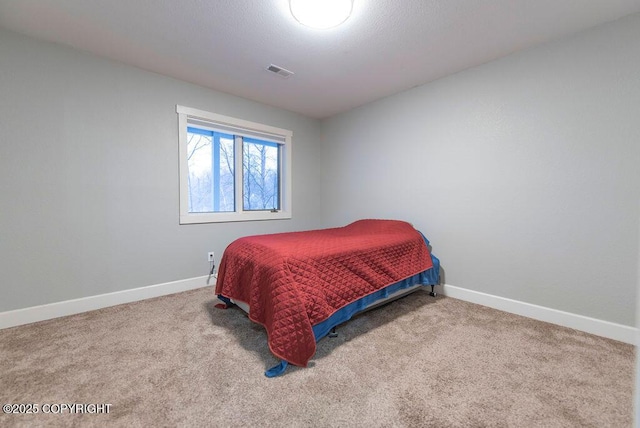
(321,14)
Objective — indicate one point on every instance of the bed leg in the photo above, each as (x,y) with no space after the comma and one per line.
(227,303)
(433,293)
(333,333)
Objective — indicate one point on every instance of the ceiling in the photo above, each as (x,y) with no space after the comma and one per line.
(387,46)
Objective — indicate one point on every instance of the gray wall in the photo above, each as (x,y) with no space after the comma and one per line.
(89,175)
(524,172)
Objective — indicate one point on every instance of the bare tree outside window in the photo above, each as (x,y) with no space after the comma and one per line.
(199,178)
(211,173)
(211,180)
(260,181)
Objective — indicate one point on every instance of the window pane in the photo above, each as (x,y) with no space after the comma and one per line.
(211,172)
(261,175)
(199,164)
(224,194)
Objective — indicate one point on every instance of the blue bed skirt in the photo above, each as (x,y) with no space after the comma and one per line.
(428,277)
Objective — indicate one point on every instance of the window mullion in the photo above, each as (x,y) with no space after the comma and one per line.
(215,182)
(280,176)
(239,174)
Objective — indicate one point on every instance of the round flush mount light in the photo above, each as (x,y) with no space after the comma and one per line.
(321,14)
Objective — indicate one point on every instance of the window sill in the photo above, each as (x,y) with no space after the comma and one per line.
(199,218)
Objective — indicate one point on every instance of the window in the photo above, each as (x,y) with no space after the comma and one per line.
(232,169)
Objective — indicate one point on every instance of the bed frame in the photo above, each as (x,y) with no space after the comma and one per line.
(332,333)
(414,252)
(394,296)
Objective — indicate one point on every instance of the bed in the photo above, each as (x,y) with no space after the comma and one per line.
(300,285)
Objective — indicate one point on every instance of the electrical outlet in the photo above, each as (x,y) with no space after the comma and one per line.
(210,256)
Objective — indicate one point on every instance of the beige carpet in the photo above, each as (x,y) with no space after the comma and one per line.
(418,362)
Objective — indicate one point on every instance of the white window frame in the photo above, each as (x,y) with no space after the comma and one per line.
(250,129)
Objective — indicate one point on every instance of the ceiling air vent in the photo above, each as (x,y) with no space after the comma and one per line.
(282,72)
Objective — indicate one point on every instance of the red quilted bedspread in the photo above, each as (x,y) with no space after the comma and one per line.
(293,281)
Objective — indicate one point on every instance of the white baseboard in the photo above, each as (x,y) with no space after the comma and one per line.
(76,306)
(598,327)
